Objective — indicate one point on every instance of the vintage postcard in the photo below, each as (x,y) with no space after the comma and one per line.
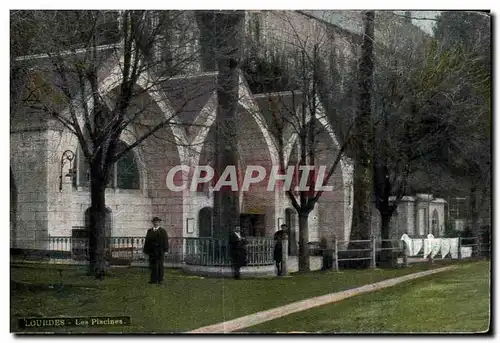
(250,171)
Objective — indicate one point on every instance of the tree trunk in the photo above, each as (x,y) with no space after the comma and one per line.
(304,265)
(362,213)
(226,201)
(97,239)
(363,170)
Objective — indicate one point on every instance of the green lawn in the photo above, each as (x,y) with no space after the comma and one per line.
(453,301)
(182,303)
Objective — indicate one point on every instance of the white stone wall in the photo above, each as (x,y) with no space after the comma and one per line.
(131,209)
(28,157)
(403,222)
(130,212)
(287,30)
(412,227)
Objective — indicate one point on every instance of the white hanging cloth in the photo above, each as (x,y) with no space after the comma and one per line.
(436,246)
(409,248)
(466,252)
(428,245)
(417,245)
(454,247)
(445,247)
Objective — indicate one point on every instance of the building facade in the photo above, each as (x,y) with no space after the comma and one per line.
(49,191)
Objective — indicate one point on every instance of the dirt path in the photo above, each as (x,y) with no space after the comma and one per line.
(264,316)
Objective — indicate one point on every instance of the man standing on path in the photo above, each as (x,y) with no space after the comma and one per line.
(156,245)
(237,251)
(279,237)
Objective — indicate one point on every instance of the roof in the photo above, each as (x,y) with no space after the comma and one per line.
(439,200)
(412,199)
(189,94)
(35,77)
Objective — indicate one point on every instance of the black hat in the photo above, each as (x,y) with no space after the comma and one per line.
(156,219)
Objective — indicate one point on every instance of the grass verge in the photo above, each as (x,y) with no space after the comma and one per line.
(455,301)
(181,304)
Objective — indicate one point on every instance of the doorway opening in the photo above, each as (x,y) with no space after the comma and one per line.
(253,225)
(205,222)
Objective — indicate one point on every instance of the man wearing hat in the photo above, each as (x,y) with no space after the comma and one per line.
(279,237)
(237,251)
(156,245)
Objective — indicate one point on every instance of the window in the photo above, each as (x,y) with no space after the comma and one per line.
(124,173)
(435,224)
(423,223)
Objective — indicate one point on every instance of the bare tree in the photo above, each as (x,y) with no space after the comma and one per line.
(399,141)
(291,77)
(67,76)
(308,124)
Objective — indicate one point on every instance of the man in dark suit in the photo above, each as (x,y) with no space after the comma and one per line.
(237,251)
(156,245)
(279,237)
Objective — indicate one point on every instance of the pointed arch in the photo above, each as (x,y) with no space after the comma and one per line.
(110,78)
(209,112)
(248,103)
(346,166)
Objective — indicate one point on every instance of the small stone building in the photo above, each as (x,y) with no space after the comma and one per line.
(417,215)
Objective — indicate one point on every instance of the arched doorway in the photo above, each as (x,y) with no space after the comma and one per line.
(205,222)
(435,223)
(291,222)
(13,210)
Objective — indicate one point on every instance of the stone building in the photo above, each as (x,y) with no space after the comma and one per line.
(50,195)
(417,215)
